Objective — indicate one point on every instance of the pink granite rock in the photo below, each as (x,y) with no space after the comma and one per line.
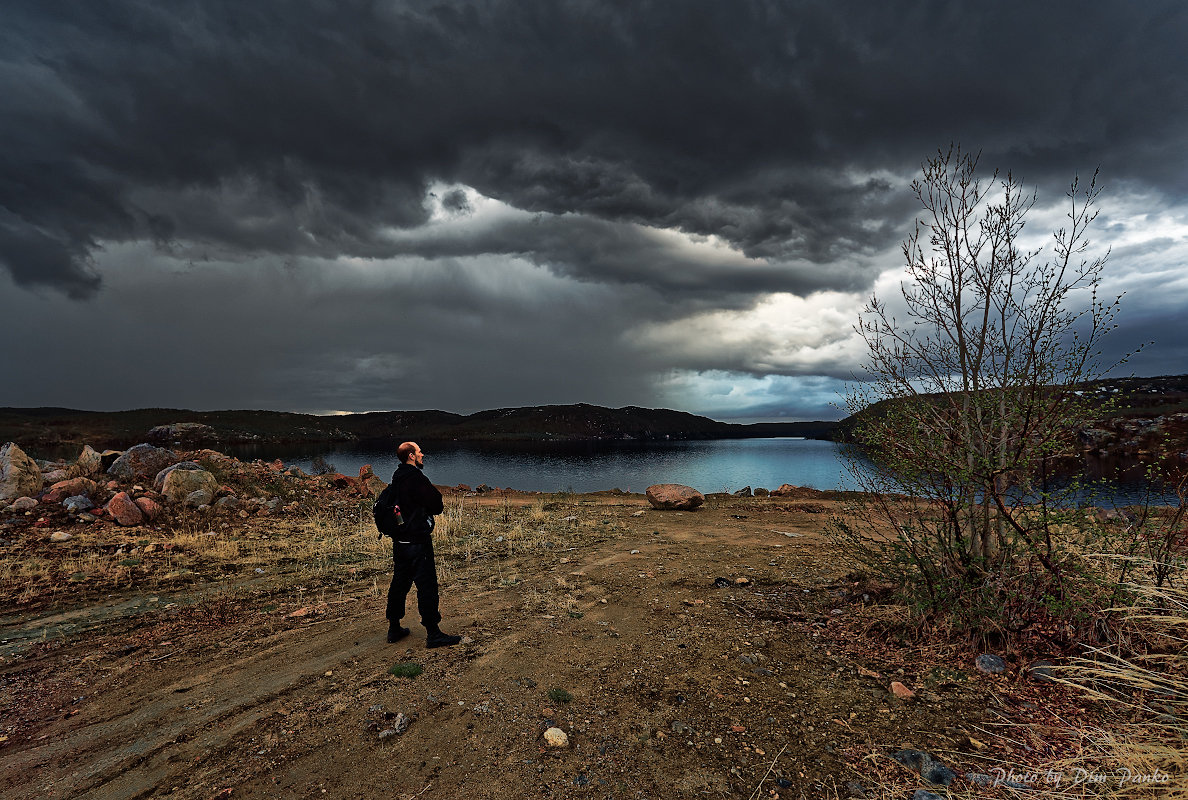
(124,510)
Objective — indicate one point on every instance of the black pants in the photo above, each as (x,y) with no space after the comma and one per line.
(413,563)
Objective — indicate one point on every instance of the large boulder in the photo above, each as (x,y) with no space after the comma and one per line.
(90,463)
(674,497)
(182,483)
(219,462)
(182,433)
(123,510)
(75,486)
(142,461)
(19,475)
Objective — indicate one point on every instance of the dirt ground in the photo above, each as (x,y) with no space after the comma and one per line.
(773,682)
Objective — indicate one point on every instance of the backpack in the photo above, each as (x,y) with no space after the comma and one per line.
(388,519)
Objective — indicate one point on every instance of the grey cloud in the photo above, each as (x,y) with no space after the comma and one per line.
(276,128)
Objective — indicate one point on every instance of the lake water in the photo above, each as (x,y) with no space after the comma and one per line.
(720,465)
(708,466)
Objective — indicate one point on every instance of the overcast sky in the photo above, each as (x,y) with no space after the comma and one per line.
(350,206)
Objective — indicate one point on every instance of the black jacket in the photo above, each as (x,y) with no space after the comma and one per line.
(419,502)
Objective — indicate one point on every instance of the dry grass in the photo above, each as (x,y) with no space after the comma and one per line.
(1143,752)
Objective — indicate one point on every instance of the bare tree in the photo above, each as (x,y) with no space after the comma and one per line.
(973,398)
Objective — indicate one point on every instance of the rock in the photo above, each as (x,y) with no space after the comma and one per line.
(674,497)
(214,460)
(180,484)
(77,503)
(761,492)
(855,789)
(182,432)
(929,768)
(56,476)
(159,481)
(149,507)
(387,734)
(199,499)
(228,504)
(482,488)
(89,462)
(924,794)
(990,664)
(108,457)
(23,504)
(70,488)
(938,774)
(555,737)
(141,461)
(60,536)
(1041,672)
(124,511)
(370,483)
(743,492)
(901,691)
(19,475)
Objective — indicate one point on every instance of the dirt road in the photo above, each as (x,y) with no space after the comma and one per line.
(666,684)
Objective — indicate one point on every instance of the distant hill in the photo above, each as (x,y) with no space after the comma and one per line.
(51,427)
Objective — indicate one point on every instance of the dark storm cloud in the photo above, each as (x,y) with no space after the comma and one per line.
(288,129)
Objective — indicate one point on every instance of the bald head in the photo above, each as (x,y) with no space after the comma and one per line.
(410,453)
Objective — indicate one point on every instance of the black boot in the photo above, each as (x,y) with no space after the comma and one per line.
(396,633)
(438,639)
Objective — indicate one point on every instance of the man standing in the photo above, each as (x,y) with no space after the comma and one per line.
(412,548)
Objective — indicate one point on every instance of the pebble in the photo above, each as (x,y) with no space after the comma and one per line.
(634,552)
(924,794)
(555,737)
(901,691)
(990,664)
(60,536)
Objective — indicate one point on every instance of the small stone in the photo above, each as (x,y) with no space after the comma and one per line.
(60,536)
(77,503)
(990,664)
(1041,672)
(150,508)
(901,691)
(23,504)
(555,737)
(938,774)
(924,794)
(199,497)
(979,779)
(634,552)
(387,734)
